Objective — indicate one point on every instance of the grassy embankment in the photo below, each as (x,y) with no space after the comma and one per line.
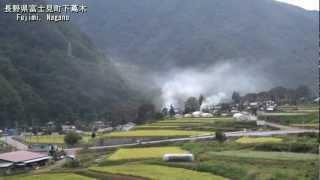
(301,116)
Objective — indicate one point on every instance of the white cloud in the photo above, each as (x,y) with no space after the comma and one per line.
(306,4)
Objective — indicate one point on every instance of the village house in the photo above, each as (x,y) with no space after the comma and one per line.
(126,127)
(104,130)
(21,160)
(98,125)
(67,128)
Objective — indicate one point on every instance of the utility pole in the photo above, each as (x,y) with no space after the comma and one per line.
(69,49)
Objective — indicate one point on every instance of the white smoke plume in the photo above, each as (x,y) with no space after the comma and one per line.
(213,100)
(216,82)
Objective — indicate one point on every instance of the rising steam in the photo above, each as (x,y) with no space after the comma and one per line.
(216,82)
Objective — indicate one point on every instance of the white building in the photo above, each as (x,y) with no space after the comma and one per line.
(68,128)
(108,129)
(244,117)
(126,127)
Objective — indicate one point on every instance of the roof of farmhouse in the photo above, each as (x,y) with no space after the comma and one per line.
(22,156)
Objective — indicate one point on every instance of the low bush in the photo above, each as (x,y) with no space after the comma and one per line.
(288,147)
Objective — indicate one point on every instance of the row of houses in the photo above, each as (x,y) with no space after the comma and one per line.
(98,126)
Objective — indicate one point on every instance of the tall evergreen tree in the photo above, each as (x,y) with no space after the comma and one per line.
(236,97)
(201,99)
(172,111)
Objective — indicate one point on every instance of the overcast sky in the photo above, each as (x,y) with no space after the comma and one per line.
(306,4)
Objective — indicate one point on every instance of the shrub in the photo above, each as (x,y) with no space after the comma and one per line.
(220,136)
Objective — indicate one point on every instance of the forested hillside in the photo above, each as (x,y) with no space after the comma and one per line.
(53,72)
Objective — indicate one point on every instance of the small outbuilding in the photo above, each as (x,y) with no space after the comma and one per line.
(178,157)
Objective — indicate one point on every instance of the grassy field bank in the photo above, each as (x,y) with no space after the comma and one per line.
(157,172)
(252,140)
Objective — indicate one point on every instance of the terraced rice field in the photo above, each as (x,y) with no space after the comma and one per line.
(311,108)
(53,176)
(284,114)
(189,123)
(47,139)
(148,127)
(156,133)
(143,153)
(266,155)
(195,120)
(51,139)
(258,140)
(288,118)
(156,172)
(312,126)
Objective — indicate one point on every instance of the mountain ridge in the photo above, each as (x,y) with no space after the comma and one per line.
(159,35)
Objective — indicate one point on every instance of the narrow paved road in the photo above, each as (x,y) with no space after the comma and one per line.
(14,143)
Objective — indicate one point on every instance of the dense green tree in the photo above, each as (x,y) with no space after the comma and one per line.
(220,136)
(72,138)
(191,105)
(93,135)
